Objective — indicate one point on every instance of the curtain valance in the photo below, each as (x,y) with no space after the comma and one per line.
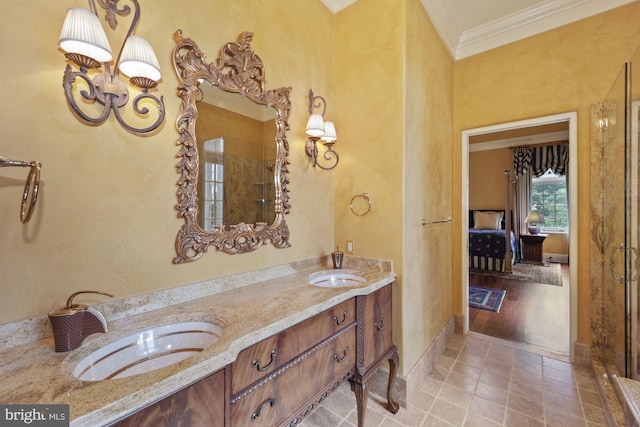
(541,159)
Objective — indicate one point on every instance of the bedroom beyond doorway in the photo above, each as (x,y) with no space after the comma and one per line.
(531,313)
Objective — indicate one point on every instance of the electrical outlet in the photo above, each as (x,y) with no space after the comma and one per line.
(349,246)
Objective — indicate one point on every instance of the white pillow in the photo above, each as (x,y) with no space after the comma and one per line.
(487,220)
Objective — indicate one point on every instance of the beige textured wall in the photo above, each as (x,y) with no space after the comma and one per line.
(105,218)
(487,184)
(427,290)
(566,69)
(401,156)
(368,109)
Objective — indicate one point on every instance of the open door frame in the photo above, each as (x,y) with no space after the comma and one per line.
(572,118)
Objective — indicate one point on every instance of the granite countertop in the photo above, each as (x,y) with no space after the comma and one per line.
(34,373)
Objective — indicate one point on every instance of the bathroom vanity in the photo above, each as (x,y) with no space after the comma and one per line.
(284,346)
(283,378)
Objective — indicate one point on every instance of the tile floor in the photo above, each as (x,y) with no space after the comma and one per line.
(483,381)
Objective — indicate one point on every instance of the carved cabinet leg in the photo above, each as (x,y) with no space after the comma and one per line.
(394,361)
(361,391)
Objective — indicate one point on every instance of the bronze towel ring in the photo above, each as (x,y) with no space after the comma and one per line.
(364,196)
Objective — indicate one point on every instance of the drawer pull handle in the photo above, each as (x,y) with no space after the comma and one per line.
(340,322)
(271,402)
(341,359)
(256,364)
(380,326)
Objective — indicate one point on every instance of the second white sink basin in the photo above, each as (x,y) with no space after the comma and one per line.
(336,278)
(147,350)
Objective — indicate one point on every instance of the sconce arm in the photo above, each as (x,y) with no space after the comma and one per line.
(317,101)
(142,111)
(330,155)
(69,78)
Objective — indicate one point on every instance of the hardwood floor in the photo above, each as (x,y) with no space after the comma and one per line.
(531,313)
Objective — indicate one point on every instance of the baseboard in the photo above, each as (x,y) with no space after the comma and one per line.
(559,258)
(582,355)
(405,390)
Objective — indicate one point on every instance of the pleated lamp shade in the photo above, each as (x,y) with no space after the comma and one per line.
(329,132)
(82,34)
(138,59)
(315,126)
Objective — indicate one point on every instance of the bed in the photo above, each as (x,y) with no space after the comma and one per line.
(488,248)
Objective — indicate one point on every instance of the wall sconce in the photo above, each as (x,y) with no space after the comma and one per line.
(85,43)
(319,129)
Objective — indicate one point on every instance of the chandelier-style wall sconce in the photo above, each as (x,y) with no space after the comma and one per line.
(319,129)
(86,45)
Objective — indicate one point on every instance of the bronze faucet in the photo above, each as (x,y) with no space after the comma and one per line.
(74,322)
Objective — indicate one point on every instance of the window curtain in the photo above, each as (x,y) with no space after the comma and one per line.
(521,166)
(534,161)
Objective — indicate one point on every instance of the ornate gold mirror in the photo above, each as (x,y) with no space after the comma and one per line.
(233,166)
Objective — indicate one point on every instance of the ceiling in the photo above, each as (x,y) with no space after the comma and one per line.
(468,27)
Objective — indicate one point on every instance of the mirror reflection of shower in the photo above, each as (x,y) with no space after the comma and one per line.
(267,198)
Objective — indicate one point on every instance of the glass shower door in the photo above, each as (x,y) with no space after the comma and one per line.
(616,228)
(609,228)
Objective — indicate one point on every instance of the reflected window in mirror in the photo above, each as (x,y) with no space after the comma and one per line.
(212,208)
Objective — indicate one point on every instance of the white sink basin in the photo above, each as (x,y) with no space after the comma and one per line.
(336,278)
(147,350)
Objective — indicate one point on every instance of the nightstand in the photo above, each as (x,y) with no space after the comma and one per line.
(532,248)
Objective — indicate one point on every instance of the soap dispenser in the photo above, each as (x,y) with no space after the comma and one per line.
(74,322)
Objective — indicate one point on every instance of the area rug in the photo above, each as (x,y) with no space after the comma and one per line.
(485,298)
(548,274)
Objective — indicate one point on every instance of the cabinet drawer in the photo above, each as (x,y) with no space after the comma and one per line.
(254,362)
(308,333)
(377,324)
(295,383)
(267,355)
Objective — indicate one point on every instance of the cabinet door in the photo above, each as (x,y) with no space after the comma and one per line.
(201,404)
(377,324)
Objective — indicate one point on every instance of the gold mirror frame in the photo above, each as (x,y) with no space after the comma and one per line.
(237,70)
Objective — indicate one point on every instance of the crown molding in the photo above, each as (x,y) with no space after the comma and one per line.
(444,23)
(529,22)
(336,6)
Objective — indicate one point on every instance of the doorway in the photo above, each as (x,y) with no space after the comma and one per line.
(571,119)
